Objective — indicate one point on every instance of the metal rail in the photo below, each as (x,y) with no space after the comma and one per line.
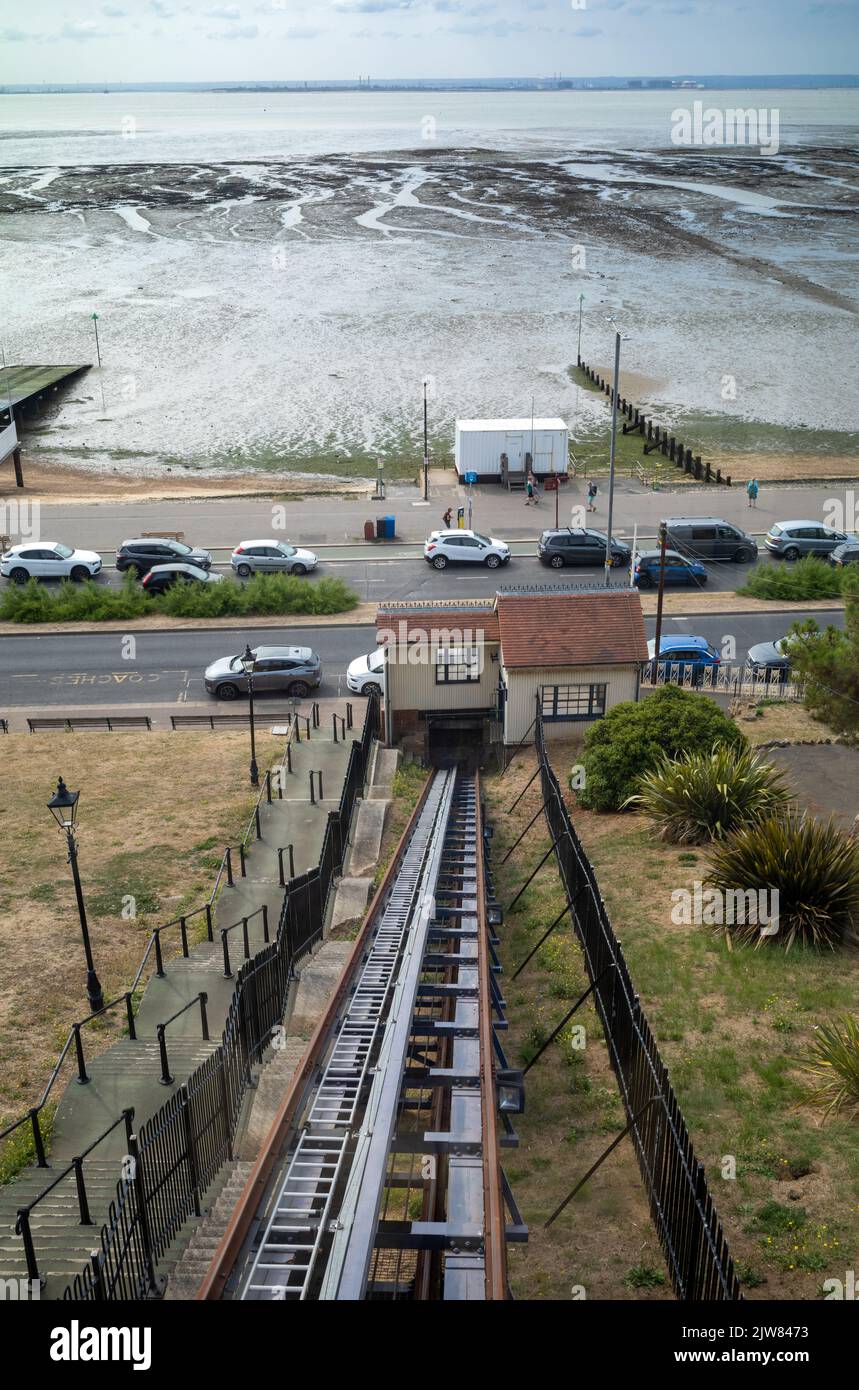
(401,1074)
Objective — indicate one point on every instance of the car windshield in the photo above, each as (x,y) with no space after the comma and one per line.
(484,540)
(376,662)
(286,549)
(182,549)
(64,552)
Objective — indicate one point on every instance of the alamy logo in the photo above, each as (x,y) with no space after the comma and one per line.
(76,1343)
(731,126)
(450,645)
(715,907)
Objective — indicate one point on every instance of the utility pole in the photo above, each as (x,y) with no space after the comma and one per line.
(426,447)
(663,536)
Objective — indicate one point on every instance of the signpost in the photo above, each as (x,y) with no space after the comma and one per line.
(470,478)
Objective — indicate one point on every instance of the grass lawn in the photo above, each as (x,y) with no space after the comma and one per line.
(155,813)
(604,1242)
(731,1026)
(782,719)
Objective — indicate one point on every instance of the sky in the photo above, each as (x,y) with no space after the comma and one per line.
(293,40)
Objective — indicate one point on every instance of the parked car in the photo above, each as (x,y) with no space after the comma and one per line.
(681,653)
(142,554)
(710,538)
(294,670)
(792,539)
(445,548)
(576,545)
(775,655)
(366,674)
(48,560)
(271,557)
(162,577)
(846,554)
(677,570)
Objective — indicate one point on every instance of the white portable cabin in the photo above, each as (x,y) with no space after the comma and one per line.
(480,444)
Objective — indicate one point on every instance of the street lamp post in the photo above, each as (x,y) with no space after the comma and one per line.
(97,347)
(579,349)
(426,447)
(63,806)
(615,396)
(248,664)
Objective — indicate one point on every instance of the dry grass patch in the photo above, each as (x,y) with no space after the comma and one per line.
(156,811)
(786,719)
(604,1241)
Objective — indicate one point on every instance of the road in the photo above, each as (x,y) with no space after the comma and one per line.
(166,667)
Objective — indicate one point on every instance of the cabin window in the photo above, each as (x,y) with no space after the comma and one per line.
(572,701)
(457,665)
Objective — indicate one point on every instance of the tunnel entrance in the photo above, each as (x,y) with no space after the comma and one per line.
(461,741)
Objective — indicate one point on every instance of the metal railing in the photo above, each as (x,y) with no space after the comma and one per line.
(681,1207)
(180,1149)
(729,678)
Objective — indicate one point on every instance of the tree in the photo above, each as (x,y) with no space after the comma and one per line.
(828,661)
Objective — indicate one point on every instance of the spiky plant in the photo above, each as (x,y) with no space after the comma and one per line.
(705,796)
(833,1066)
(812,864)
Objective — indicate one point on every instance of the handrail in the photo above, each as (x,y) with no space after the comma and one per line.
(243,923)
(494,1219)
(202,999)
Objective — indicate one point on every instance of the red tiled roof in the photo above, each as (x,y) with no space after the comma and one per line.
(423,622)
(571,629)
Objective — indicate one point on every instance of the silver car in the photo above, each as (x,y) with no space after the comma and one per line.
(290,670)
(792,539)
(271,557)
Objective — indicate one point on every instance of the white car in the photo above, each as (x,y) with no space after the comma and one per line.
(366,674)
(271,557)
(445,548)
(48,560)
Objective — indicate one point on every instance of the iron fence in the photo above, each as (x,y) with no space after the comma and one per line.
(681,1206)
(177,1153)
(730,678)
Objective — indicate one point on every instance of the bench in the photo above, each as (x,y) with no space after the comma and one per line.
(82,722)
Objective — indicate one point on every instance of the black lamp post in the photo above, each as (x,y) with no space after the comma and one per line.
(248,663)
(63,805)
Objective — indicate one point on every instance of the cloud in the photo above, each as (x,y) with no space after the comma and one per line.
(303,31)
(162,9)
(235,31)
(586,32)
(81,30)
(114,12)
(18,36)
(372,6)
(223,12)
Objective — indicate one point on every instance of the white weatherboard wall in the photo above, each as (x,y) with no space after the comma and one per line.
(479,445)
(524,682)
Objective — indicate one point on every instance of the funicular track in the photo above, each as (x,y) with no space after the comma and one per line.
(381,1176)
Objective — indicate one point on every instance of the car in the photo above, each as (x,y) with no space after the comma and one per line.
(293,670)
(773,655)
(710,538)
(792,539)
(48,560)
(162,577)
(366,674)
(146,551)
(271,557)
(577,545)
(445,548)
(680,652)
(678,570)
(846,554)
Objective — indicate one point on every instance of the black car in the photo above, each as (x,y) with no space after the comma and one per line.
(678,570)
(162,577)
(142,554)
(846,554)
(576,545)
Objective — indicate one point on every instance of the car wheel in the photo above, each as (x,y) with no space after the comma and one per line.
(439,562)
(298,569)
(299,689)
(371,688)
(19,576)
(244,571)
(792,553)
(701,582)
(492,562)
(228,691)
(80,573)
(557,562)
(645,581)
(743,555)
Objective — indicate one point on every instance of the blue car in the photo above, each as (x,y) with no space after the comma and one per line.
(678,570)
(681,654)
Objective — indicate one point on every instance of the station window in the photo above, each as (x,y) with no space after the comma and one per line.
(572,701)
(457,665)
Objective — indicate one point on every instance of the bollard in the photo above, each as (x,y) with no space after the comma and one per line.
(82,1072)
(242,860)
(209,933)
(229,854)
(183,932)
(228,973)
(129,1013)
(204,1022)
(334,719)
(312,797)
(159,963)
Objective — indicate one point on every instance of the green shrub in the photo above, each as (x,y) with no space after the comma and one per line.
(833,1066)
(91,602)
(705,796)
(631,737)
(812,864)
(807,578)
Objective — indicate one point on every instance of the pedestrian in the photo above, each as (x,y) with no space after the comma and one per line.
(752,489)
(529,492)
(592,496)
(447,519)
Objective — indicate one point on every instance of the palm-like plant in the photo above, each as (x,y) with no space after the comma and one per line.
(705,796)
(812,864)
(833,1066)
